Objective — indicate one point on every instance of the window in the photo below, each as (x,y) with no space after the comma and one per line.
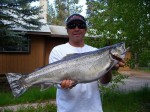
(21,44)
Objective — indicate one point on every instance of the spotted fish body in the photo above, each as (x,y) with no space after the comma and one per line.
(80,67)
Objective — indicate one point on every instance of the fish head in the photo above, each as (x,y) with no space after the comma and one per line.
(119,50)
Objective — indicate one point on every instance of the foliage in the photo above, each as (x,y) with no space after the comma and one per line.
(97,42)
(17,14)
(61,9)
(144,57)
(117,79)
(129,21)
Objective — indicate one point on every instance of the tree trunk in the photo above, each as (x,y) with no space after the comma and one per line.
(136,66)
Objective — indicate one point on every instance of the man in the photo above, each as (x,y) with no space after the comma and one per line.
(82,97)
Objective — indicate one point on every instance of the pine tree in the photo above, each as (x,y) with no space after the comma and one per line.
(61,9)
(17,13)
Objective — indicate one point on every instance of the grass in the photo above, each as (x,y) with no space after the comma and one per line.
(31,95)
(134,101)
(144,69)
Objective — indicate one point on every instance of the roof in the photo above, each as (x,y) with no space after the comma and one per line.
(58,30)
(46,30)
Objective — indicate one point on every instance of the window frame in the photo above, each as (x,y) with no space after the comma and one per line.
(22,50)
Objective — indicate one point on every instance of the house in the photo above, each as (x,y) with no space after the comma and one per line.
(40,44)
(33,51)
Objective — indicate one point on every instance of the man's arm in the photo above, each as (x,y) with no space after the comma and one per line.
(105,79)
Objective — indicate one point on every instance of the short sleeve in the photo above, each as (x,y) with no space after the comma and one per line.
(54,55)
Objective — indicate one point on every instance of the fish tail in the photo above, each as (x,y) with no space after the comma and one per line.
(16,83)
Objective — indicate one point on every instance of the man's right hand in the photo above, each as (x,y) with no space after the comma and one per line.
(67,84)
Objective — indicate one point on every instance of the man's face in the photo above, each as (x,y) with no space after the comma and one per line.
(76,31)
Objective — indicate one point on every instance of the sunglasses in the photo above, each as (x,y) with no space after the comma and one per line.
(74,25)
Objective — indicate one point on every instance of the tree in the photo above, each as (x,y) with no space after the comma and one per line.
(61,9)
(17,13)
(128,21)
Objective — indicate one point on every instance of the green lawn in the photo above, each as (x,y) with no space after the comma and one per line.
(31,95)
(135,101)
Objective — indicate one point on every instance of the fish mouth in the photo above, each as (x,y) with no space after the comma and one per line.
(116,57)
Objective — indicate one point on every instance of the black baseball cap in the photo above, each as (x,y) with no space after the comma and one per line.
(74,17)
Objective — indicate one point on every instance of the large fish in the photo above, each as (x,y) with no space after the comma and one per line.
(80,67)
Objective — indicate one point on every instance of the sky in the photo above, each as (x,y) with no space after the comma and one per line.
(81,2)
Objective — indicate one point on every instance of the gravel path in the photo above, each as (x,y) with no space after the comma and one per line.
(136,80)
(16,107)
(134,83)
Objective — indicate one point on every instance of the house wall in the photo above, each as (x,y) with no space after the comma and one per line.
(23,62)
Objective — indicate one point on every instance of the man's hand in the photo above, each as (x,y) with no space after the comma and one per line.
(121,63)
(67,84)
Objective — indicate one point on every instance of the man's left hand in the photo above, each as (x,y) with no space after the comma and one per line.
(121,63)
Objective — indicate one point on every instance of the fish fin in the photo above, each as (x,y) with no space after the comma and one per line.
(16,83)
(45,86)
